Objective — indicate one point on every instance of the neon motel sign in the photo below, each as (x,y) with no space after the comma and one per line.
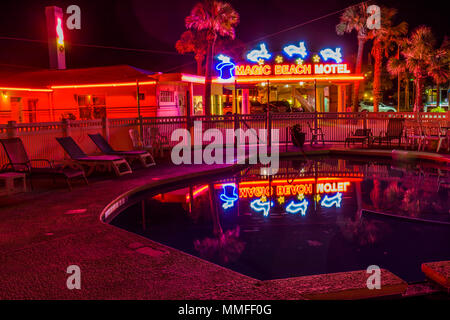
(291,69)
(329,62)
(293,190)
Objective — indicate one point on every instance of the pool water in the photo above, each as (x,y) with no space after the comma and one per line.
(317,215)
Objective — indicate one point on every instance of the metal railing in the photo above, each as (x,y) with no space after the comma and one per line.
(39,138)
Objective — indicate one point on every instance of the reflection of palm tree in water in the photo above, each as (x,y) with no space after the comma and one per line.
(376,194)
(225,248)
(359,230)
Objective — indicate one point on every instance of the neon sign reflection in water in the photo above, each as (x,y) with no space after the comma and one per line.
(229,195)
(225,67)
(259,206)
(295,208)
(331,54)
(292,50)
(256,54)
(335,200)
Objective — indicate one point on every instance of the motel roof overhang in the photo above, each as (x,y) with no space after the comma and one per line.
(111,76)
(48,80)
(125,75)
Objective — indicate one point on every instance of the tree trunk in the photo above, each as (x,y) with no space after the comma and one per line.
(207,100)
(438,95)
(199,59)
(407,95)
(398,82)
(208,75)
(358,68)
(377,76)
(418,105)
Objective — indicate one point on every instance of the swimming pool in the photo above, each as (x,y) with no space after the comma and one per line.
(317,215)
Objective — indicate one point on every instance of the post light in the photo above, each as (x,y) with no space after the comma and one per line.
(60,34)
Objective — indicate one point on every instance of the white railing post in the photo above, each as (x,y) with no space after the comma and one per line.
(11,129)
(105,128)
(66,128)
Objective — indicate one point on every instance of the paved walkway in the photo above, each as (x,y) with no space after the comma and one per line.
(42,233)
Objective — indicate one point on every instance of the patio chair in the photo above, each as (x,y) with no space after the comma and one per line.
(432,131)
(20,162)
(394,132)
(144,157)
(116,163)
(316,134)
(359,135)
(155,140)
(135,140)
(413,134)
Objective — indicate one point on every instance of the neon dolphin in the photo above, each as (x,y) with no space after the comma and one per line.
(328,202)
(332,54)
(259,206)
(228,199)
(295,208)
(292,50)
(256,54)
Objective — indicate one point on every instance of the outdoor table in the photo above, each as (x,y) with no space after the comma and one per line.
(12,182)
(366,138)
(356,139)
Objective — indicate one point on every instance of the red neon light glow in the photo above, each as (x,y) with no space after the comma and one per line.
(292,69)
(25,89)
(293,189)
(297,78)
(191,78)
(284,181)
(59,32)
(100,85)
(197,192)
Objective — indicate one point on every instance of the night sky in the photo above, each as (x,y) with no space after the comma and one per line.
(156,25)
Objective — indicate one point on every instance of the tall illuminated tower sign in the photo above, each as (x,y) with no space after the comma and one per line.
(55,33)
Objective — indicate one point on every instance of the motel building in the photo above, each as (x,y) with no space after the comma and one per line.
(116,91)
(295,77)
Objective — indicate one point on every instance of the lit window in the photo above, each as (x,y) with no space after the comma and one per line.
(166,96)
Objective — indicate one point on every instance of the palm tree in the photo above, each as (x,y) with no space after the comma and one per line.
(354,19)
(384,41)
(217,19)
(194,41)
(423,60)
(439,68)
(396,67)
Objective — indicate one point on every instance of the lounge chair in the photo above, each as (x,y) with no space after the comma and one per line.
(394,132)
(144,157)
(20,162)
(359,135)
(116,163)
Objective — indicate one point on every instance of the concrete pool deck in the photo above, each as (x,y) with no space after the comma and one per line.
(42,233)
